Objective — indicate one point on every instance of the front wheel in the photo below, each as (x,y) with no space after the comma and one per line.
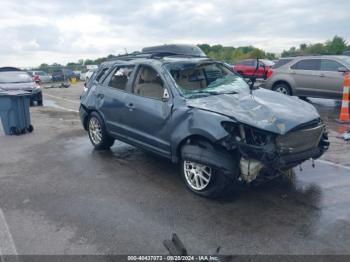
(204,180)
(97,132)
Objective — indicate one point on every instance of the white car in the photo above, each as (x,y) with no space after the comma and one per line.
(88,75)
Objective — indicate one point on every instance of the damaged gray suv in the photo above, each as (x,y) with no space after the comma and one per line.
(197,112)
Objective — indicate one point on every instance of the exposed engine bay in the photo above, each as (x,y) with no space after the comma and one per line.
(265,152)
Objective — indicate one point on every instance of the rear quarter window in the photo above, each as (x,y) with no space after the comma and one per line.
(281,62)
(100,74)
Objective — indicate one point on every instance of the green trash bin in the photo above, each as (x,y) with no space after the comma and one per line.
(14,112)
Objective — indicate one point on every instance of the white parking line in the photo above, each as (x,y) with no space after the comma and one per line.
(64,99)
(333,164)
(7,246)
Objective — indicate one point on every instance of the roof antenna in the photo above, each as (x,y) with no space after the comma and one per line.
(126,51)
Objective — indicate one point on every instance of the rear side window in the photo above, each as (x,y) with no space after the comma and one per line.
(307,64)
(330,65)
(281,62)
(120,77)
(101,73)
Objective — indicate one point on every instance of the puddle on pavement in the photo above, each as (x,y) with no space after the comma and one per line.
(51,103)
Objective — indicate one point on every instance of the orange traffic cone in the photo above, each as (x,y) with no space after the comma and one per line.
(344,111)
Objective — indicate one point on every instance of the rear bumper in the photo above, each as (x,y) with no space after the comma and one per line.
(83,116)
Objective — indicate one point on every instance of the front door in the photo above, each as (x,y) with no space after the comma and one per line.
(147,112)
(330,80)
(305,72)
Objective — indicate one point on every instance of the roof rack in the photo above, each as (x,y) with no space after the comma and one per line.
(151,55)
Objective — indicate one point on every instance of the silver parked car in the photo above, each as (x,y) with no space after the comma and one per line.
(309,76)
(41,76)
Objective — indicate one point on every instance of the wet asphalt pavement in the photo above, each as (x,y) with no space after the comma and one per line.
(59,196)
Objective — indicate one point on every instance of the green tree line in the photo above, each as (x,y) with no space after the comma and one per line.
(335,46)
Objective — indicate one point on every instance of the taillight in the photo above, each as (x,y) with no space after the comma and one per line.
(269,73)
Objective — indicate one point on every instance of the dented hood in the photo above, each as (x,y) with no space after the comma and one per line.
(263,109)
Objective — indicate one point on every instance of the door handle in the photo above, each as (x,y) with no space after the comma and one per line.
(100,95)
(322,75)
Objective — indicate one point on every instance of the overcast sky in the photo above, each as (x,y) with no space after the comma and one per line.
(35,32)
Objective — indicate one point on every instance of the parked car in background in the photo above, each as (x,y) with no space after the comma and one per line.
(77,74)
(40,76)
(62,75)
(309,76)
(248,68)
(196,112)
(20,80)
(83,75)
(346,53)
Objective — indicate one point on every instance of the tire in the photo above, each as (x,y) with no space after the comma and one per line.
(282,88)
(40,103)
(218,184)
(97,132)
(15,131)
(30,129)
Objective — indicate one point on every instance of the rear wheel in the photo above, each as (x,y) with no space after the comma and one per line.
(97,132)
(282,88)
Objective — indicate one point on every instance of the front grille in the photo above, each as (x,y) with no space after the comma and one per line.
(300,140)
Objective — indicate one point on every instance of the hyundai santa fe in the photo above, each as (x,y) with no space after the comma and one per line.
(196,112)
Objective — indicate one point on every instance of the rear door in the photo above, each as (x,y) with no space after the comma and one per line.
(305,72)
(110,96)
(330,81)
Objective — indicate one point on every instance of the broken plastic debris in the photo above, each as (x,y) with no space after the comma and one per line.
(346,135)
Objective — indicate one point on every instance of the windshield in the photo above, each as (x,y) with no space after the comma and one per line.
(204,79)
(41,73)
(346,59)
(15,77)
(267,62)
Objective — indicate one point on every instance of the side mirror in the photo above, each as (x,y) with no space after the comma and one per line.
(343,69)
(165,95)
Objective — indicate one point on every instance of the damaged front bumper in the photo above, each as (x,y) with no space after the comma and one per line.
(264,152)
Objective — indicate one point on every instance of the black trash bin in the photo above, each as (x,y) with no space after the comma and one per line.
(14,112)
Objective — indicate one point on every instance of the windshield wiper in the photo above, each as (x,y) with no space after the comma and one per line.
(208,93)
(222,93)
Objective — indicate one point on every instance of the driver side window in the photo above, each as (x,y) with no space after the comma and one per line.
(149,84)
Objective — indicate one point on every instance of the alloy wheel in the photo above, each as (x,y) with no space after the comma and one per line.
(197,175)
(282,89)
(95,130)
